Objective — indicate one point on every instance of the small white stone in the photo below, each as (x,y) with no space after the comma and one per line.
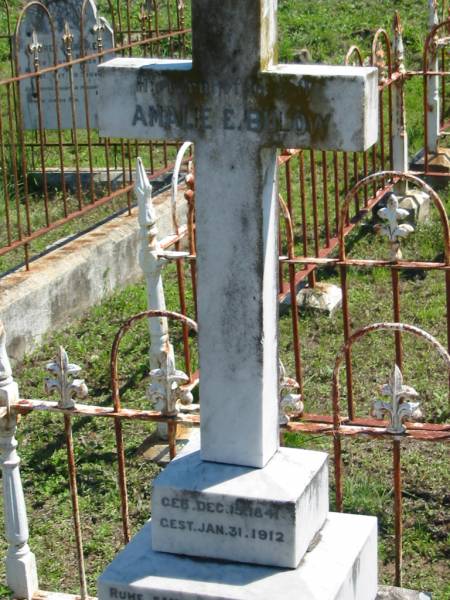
(325,297)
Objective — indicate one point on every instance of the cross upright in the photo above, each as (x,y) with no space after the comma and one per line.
(238,105)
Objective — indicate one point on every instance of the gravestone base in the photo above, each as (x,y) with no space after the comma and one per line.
(341,566)
(265,516)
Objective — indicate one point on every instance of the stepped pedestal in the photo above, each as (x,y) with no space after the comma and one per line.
(342,566)
(275,517)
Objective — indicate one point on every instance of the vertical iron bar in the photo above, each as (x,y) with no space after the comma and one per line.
(325,199)
(337,447)
(336,191)
(314,202)
(348,357)
(183,311)
(295,329)
(172,439)
(396,305)
(122,479)
(398,509)
(41,144)
(75,505)
(5,181)
(356,179)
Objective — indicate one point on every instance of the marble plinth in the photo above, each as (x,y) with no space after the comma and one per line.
(265,516)
(342,566)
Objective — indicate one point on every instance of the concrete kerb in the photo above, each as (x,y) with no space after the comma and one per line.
(64,283)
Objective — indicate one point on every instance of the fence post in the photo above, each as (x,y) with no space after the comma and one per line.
(151,264)
(21,572)
(433,100)
(399,133)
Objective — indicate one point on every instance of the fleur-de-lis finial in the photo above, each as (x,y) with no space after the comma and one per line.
(143,15)
(98,29)
(67,39)
(63,382)
(392,214)
(290,403)
(99,24)
(165,390)
(400,407)
(379,61)
(399,49)
(35,47)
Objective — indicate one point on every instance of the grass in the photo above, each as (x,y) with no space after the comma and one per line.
(368,487)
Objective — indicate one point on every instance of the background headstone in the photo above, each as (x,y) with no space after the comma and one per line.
(90,34)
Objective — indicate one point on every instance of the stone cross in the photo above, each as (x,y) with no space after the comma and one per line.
(238,105)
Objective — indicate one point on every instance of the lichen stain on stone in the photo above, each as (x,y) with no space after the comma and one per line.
(301,96)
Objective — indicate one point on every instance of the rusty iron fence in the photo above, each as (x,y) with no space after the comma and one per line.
(55,167)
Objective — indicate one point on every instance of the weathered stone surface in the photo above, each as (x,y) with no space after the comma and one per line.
(343,566)
(286,106)
(89,33)
(238,106)
(265,516)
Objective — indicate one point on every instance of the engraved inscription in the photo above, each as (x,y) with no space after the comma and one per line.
(116,594)
(124,595)
(203,118)
(213,518)
(225,530)
(239,507)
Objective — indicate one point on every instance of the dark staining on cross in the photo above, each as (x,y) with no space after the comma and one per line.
(258,114)
(228,87)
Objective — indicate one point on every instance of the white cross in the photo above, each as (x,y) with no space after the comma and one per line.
(238,106)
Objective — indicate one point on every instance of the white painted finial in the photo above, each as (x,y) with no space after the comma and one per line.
(63,382)
(433,19)
(290,403)
(400,407)
(392,214)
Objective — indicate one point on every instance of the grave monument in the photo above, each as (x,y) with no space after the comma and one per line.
(234,495)
(75,30)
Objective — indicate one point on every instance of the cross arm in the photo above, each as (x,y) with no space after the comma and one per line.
(146,98)
(321,106)
(295,106)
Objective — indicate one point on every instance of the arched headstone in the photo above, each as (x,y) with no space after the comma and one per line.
(78,31)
